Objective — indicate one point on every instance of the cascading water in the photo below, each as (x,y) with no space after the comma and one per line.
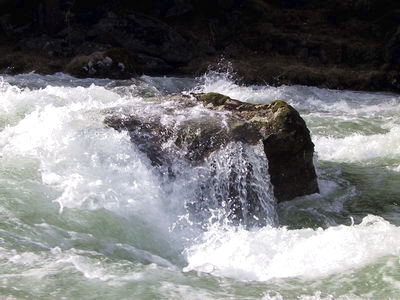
(87,214)
(230,180)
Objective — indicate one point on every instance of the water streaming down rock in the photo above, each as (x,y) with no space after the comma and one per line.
(224,124)
(234,179)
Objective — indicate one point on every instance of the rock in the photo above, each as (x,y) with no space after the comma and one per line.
(278,126)
(197,138)
(142,34)
(114,63)
(289,150)
(151,65)
(286,139)
(349,44)
(392,51)
(172,8)
(52,47)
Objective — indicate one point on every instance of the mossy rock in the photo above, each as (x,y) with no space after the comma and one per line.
(219,101)
(285,136)
(215,99)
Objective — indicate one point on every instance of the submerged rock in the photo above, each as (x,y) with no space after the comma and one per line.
(276,126)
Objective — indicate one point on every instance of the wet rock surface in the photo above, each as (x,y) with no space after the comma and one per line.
(286,139)
(278,126)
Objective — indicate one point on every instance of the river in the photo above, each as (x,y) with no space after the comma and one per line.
(84,214)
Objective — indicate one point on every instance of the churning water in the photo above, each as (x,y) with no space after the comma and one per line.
(85,215)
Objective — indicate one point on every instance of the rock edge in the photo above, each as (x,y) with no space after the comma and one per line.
(280,128)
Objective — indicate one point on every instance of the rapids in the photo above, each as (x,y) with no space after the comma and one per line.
(84,214)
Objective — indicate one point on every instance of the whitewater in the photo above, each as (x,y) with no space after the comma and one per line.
(85,214)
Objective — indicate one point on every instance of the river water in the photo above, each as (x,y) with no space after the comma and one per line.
(85,215)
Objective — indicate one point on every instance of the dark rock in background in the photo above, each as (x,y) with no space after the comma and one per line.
(113,63)
(351,44)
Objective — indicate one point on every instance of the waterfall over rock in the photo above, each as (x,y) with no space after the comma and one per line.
(276,128)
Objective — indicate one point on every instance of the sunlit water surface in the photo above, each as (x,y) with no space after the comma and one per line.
(84,214)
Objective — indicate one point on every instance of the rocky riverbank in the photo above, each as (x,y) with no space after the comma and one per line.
(349,44)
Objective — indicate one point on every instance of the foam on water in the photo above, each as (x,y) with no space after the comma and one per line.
(341,121)
(305,99)
(88,165)
(366,130)
(358,147)
(269,253)
(84,209)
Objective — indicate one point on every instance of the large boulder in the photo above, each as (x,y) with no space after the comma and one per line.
(286,139)
(278,126)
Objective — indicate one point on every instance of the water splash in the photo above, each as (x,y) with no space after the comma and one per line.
(235,181)
(124,225)
(268,253)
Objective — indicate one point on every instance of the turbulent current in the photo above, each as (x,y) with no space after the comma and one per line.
(86,215)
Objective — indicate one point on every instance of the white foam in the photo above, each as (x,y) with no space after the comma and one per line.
(270,253)
(93,167)
(62,129)
(90,264)
(395,169)
(224,84)
(358,147)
